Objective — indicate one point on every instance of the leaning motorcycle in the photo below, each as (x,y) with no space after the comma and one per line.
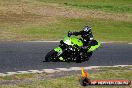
(70,50)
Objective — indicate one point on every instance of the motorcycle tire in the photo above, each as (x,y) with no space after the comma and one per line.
(50,56)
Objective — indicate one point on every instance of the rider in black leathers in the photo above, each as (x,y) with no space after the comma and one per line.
(86,35)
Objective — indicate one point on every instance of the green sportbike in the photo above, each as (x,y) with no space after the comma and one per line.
(70,50)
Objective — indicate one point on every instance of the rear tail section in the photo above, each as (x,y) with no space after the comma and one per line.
(94,46)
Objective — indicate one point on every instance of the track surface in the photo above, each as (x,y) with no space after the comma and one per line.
(21,56)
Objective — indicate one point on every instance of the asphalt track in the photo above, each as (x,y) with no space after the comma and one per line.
(21,56)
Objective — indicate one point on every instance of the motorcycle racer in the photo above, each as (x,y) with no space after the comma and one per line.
(73,48)
(86,35)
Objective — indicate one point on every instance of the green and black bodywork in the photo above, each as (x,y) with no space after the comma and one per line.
(70,50)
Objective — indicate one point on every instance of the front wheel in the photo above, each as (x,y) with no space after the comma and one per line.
(51,56)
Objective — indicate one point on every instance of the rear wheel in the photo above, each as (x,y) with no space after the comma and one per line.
(81,57)
(89,54)
(51,56)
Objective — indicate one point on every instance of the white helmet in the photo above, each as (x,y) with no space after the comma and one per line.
(87,29)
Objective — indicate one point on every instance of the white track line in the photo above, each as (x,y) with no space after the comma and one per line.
(43,41)
(57,70)
(59,41)
(129,43)
(107,42)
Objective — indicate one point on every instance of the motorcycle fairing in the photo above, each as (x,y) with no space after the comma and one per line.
(76,41)
(73,41)
(93,48)
(58,49)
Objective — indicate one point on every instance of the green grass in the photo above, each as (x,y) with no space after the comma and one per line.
(26,21)
(73,80)
(18,77)
(104,30)
(122,6)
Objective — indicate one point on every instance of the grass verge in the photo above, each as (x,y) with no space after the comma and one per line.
(103,30)
(50,20)
(73,80)
(118,6)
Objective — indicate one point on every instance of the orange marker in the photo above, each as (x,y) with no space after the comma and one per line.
(84,73)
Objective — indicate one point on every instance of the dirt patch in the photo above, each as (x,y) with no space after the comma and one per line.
(24,17)
(60,11)
(17,13)
(21,11)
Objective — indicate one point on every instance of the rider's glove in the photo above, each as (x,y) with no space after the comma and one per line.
(85,47)
(69,34)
